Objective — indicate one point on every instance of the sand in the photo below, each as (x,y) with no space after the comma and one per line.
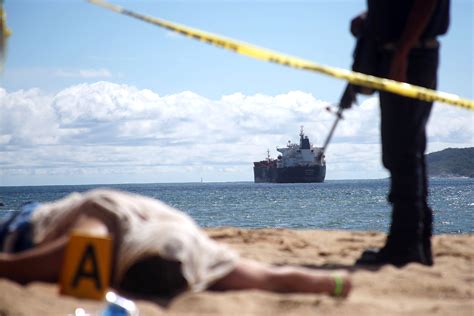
(447,288)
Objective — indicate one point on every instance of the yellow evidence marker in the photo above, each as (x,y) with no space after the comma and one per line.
(86,266)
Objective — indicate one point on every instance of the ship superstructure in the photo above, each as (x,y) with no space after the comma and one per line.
(297,163)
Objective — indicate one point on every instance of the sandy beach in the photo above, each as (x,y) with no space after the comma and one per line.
(447,288)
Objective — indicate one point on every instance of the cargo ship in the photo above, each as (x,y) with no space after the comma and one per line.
(297,163)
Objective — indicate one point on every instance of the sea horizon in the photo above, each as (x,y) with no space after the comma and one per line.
(215,182)
(353,204)
(184,182)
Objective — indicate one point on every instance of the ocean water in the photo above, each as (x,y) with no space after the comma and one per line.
(341,204)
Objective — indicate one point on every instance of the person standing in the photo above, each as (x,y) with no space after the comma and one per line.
(405,33)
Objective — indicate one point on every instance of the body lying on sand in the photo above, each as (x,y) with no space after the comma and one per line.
(158,250)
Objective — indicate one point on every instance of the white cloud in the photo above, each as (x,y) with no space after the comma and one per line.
(451,125)
(118,133)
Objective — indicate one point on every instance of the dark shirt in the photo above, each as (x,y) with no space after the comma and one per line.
(387,18)
(16,231)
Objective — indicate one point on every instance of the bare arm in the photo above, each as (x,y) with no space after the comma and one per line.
(417,21)
(250,274)
(43,263)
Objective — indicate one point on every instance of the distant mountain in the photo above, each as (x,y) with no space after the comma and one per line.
(451,162)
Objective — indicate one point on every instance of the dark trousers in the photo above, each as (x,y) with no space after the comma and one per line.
(403,130)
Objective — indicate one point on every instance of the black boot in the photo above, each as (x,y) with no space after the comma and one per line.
(404,243)
(398,256)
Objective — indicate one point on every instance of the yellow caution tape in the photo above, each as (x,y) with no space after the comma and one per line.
(253,51)
(5,31)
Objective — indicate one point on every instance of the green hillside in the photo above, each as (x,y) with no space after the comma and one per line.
(451,162)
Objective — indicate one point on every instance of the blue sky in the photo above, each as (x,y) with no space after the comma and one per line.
(91,96)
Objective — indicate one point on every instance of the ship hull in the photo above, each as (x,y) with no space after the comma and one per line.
(298,174)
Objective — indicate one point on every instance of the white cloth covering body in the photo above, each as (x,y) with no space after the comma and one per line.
(146,227)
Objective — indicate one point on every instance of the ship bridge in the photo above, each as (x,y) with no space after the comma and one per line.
(303,154)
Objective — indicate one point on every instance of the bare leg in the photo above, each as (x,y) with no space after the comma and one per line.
(250,274)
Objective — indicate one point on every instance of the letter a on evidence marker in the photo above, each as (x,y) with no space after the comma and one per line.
(86,267)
